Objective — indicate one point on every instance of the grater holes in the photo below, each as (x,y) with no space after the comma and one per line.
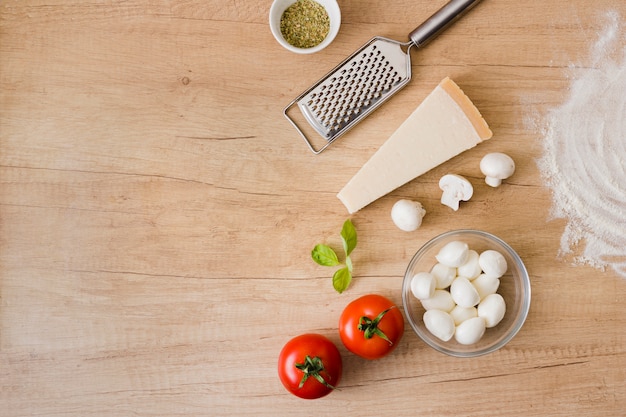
(359,84)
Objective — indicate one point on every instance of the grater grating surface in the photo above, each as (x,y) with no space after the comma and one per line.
(357,87)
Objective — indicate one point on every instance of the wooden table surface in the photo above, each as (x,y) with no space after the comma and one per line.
(158,212)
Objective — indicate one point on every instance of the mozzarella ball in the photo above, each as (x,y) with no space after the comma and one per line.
(470,331)
(492,263)
(453,254)
(485,285)
(441,300)
(463,292)
(407,215)
(423,285)
(440,324)
(459,293)
(470,269)
(460,314)
(492,309)
(444,275)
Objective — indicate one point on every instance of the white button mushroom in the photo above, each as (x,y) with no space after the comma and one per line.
(455,189)
(492,309)
(423,285)
(407,215)
(463,292)
(453,254)
(470,331)
(492,263)
(444,275)
(496,167)
(471,268)
(440,324)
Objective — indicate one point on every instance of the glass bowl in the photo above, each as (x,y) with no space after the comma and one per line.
(514,288)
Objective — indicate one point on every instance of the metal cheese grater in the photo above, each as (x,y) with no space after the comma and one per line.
(365,80)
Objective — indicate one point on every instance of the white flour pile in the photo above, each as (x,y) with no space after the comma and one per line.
(584,154)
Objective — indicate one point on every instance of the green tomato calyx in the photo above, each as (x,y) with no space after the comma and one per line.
(311,367)
(370,328)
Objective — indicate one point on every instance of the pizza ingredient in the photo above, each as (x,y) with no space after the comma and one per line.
(423,285)
(465,301)
(324,255)
(310,366)
(453,254)
(371,326)
(455,189)
(407,215)
(496,166)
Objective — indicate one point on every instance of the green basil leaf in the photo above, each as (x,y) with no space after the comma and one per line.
(348,236)
(341,279)
(324,255)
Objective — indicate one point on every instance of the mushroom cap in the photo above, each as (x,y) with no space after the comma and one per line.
(462,187)
(497,165)
(407,215)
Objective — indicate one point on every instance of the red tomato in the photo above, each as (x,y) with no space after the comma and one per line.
(309,366)
(371,326)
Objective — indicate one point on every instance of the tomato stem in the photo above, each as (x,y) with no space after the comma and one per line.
(370,328)
(312,367)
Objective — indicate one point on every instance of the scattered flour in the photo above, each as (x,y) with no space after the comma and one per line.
(584,154)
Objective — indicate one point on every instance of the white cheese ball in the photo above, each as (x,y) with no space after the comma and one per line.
(423,285)
(441,300)
(492,263)
(407,215)
(470,269)
(492,309)
(440,324)
(460,314)
(470,331)
(453,254)
(444,275)
(463,292)
(485,285)
(459,293)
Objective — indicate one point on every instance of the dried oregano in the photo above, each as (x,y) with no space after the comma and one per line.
(305,24)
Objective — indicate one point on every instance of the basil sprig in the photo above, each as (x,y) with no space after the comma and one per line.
(324,255)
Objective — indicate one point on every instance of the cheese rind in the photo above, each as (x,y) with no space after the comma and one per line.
(445,124)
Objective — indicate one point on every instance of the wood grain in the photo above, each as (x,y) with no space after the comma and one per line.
(157,214)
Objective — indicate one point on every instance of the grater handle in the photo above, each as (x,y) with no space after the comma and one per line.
(439,21)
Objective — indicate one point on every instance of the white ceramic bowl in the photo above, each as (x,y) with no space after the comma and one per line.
(278,8)
(514,288)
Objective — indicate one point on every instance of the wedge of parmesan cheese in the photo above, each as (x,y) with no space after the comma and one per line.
(445,124)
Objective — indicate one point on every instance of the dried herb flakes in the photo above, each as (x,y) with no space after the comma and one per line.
(305,24)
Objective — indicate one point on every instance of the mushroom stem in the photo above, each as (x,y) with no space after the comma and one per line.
(493,181)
